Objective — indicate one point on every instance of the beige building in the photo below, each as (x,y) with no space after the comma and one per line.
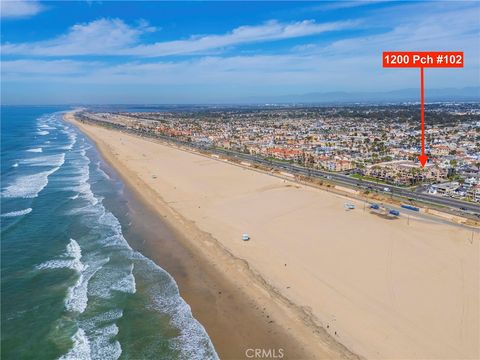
(406,172)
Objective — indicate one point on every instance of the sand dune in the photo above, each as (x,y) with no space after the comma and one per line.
(383,288)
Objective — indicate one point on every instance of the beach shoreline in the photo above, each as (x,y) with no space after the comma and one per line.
(237,320)
(297,327)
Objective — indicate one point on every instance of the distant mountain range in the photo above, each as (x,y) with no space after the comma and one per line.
(404,95)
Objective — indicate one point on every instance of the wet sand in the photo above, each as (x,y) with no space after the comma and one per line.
(233,321)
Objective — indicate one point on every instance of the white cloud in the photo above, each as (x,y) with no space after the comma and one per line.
(428,27)
(19,8)
(349,64)
(103,36)
(273,74)
(345,5)
(114,37)
(269,31)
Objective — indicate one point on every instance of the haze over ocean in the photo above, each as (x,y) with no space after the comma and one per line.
(72,287)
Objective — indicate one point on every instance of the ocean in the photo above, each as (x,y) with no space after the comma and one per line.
(71,285)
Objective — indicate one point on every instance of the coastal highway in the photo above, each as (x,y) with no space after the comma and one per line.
(357,183)
(454,204)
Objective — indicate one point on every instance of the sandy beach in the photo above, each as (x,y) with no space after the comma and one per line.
(315,280)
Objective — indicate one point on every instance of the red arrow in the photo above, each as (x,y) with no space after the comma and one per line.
(423,158)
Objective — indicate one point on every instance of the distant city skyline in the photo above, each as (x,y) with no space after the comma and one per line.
(226,52)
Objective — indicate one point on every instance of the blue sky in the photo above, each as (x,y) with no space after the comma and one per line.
(224,52)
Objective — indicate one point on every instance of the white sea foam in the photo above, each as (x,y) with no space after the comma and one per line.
(71,259)
(80,349)
(74,251)
(102,330)
(72,137)
(99,169)
(43,132)
(102,345)
(193,341)
(55,264)
(15,165)
(91,324)
(35,150)
(126,284)
(46,127)
(86,192)
(112,279)
(46,160)
(77,298)
(95,279)
(79,181)
(17,213)
(84,187)
(28,186)
(116,239)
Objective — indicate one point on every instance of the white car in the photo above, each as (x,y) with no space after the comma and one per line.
(386,189)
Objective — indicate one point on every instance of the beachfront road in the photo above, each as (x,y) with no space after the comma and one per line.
(358,183)
(454,204)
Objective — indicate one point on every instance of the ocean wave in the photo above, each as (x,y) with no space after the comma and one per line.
(99,279)
(103,173)
(74,251)
(17,213)
(46,160)
(28,186)
(85,190)
(193,341)
(15,165)
(73,261)
(102,331)
(43,132)
(116,239)
(80,349)
(111,279)
(77,297)
(126,284)
(71,134)
(46,127)
(72,137)
(35,150)
(84,187)
(102,345)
